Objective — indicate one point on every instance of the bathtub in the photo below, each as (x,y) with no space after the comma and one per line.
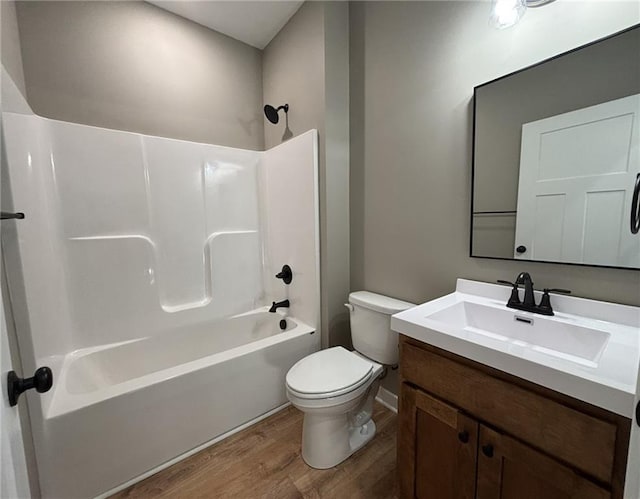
(120,410)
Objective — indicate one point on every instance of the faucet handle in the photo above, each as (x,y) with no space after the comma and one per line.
(285,274)
(514,299)
(556,290)
(545,302)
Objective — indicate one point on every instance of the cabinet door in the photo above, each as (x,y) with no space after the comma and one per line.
(437,448)
(508,469)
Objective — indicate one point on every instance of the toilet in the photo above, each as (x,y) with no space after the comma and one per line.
(335,388)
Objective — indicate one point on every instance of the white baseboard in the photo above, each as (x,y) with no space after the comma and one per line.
(388,399)
(190,452)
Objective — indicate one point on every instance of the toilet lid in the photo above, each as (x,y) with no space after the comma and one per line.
(328,371)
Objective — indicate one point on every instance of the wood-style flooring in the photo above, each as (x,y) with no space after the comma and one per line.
(263,461)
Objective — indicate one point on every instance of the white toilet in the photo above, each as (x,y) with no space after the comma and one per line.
(335,388)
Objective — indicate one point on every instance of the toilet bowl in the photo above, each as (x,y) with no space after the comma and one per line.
(335,388)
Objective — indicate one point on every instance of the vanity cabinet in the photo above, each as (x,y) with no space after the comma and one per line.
(468,431)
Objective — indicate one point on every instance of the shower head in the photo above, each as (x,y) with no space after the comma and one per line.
(272,113)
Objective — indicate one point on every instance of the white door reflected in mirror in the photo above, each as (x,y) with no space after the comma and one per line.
(577,174)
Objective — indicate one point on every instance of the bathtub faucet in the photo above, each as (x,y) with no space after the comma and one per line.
(276,305)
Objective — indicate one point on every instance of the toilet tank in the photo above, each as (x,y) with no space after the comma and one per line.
(371,332)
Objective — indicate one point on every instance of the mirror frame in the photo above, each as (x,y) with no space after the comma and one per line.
(473,155)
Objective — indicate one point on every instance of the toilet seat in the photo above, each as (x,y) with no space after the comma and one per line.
(328,373)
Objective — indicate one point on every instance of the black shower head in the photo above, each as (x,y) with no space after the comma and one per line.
(272,113)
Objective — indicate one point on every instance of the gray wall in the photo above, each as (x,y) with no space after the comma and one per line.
(133,66)
(306,65)
(10,43)
(293,73)
(334,178)
(413,69)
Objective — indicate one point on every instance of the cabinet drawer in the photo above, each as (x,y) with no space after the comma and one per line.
(585,442)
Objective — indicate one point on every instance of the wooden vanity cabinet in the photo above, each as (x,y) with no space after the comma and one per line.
(468,431)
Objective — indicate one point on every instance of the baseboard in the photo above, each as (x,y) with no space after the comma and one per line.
(388,399)
(191,452)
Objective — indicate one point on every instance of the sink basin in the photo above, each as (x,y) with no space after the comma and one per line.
(552,336)
(589,349)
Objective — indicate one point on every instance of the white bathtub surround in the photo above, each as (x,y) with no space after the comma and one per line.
(148,265)
(290,199)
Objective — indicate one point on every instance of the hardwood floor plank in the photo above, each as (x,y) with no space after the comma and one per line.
(264,461)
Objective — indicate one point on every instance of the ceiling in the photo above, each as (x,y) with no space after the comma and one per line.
(252,22)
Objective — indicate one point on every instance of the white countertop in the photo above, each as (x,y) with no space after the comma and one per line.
(610,383)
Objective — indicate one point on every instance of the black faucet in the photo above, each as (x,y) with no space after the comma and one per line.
(524,279)
(529,303)
(276,305)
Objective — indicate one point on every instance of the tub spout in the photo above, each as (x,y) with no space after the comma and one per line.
(276,305)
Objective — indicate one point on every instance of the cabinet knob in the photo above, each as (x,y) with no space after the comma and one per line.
(487,450)
(463,436)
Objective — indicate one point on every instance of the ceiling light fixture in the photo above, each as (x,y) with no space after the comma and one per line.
(506,13)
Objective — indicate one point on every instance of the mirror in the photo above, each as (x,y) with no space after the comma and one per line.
(556,158)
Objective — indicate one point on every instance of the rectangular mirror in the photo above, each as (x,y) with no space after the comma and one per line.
(556,158)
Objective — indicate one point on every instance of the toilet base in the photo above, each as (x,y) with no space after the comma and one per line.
(329,440)
(358,437)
